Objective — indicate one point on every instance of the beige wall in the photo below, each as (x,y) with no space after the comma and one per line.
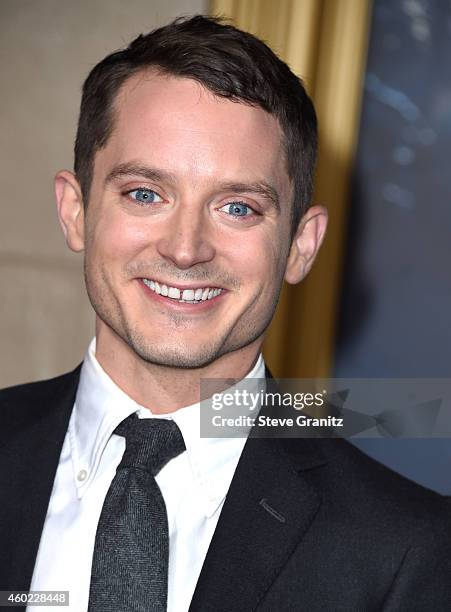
(47,48)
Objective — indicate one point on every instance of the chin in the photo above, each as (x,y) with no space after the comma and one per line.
(172,356)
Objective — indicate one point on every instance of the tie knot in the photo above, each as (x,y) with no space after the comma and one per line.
(150,443)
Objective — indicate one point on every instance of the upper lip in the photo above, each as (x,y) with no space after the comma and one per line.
(182,287)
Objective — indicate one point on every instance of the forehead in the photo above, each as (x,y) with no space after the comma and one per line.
(177,124)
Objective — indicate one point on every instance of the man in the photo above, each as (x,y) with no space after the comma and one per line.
(190,200)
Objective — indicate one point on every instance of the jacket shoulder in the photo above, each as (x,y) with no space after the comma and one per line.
(376,492)
(21,402)
(366,471)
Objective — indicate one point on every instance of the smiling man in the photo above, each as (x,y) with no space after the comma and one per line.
(191,203)
(186,236)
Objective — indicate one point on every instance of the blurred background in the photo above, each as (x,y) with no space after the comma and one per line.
(378,301)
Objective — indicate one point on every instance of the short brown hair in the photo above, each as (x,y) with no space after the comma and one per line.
(230,63)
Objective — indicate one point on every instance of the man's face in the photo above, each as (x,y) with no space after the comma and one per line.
(191,196)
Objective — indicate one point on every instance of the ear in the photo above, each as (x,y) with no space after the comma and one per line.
(69,201)
(306,243)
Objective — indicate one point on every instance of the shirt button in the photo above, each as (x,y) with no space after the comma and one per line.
(82,475)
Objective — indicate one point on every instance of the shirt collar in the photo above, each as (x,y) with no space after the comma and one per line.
(100,405)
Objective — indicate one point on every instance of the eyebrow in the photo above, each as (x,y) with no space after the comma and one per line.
(153,174)
(260,188)
(130,169)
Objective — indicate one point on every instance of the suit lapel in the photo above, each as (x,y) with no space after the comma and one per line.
(37,418)
(268,509)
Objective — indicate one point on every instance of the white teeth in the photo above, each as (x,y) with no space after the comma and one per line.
(174,293)
(149,283)
(188,296)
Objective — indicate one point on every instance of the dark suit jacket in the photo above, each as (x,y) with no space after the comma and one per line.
(308,524)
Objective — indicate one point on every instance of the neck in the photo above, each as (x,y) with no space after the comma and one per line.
(164,389)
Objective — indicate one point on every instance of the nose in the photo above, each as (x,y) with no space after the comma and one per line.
(186,240)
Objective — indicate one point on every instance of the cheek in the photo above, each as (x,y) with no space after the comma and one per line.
(254,258)
(119,238)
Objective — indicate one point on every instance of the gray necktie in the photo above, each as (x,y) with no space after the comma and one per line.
(130,562)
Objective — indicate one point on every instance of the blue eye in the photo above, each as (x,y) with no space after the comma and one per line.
(238,209)
(145,196)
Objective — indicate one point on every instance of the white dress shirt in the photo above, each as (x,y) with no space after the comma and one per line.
(194,486)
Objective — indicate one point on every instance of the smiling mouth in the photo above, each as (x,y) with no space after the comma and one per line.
(184,296)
